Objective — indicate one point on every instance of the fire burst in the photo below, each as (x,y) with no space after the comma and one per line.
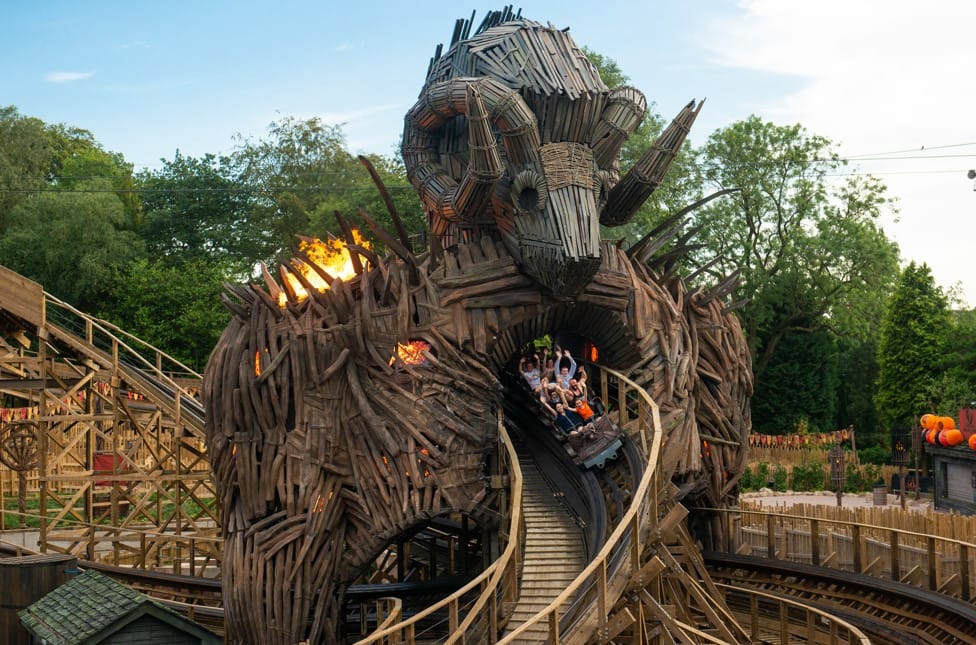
(412,353)
(332,256)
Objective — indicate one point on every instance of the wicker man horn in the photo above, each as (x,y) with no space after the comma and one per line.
(554,177)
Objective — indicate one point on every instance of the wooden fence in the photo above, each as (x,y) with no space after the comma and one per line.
(910,548)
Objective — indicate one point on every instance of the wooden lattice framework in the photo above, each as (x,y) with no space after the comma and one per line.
(326,441)
(120,459)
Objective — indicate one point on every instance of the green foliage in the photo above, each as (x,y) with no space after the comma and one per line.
(755,479)
(780,478)
(75,244)
(302,174)
(810,476)
(857,379)
(814,263)
(860,479)
(799,385)
(198,210)
(913,335)
(174,308)
(32,154)
(810,258)
(878,455)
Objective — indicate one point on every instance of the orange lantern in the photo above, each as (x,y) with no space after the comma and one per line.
(940,438)
(930,435)
(928,421)
(972,441)
(953,437)
(946,423)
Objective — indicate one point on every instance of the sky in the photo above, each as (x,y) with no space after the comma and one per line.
(889,81)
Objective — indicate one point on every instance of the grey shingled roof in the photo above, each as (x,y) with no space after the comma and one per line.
(82,607)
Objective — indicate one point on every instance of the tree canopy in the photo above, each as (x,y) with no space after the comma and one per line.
(914,334)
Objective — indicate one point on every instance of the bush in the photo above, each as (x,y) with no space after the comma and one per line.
(859,480)
(780,478)
(809,476)
(874,455)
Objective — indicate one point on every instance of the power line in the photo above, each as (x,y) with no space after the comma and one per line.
(920,149)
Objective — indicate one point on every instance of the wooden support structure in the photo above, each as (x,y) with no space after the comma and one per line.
(328,439)
(115,436)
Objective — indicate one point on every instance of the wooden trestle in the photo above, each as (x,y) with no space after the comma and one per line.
(111,437)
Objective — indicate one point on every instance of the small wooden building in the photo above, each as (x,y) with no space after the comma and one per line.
(93,609)
(954,471)
(25,579)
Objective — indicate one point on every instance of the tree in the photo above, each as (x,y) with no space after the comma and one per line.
(302,174)
(198,210)
(174,308)
(810,257)
(32,155)
(75,242)
(913,336)
(91,161)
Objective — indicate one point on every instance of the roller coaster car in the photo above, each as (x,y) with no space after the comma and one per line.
(595,448)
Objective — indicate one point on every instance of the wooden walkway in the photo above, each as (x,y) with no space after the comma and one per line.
(554,552)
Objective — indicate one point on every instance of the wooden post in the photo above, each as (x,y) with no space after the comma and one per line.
(856,544)
(895,556)
(964,572)
(814,542)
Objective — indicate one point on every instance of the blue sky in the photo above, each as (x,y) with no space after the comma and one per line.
(148,78)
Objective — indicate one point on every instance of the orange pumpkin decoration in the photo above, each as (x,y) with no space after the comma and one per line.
(946,423)
(972,441)
(952,437)
(930,436)
(928,421)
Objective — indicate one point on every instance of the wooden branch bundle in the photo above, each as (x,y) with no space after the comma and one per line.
(327,442)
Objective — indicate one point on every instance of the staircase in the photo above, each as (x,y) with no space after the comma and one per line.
(554,552)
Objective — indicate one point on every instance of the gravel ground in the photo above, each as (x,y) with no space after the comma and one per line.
(767,497)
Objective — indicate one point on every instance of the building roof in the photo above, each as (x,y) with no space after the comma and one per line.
(90,603)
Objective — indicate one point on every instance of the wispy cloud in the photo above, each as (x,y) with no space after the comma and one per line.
(875,76)
(344,47)
(67,77)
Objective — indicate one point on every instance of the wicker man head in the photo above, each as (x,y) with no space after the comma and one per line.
(515,134)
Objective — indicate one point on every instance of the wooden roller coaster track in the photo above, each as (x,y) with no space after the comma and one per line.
(645,581)
(117,433)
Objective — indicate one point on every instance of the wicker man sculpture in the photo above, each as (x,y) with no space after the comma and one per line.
(326,444)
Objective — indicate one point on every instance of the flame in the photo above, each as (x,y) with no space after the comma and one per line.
(257,363)
(708,452)
(411,353)
(332,256)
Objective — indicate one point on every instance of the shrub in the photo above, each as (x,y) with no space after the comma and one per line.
(780,478)
(809,476)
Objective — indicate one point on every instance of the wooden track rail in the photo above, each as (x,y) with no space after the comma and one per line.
(936,563)
(601,583)
(773,618)
(888,612)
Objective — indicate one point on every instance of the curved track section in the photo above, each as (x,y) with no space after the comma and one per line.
(888,612)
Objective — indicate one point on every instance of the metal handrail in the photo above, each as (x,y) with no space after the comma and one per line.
(628,529)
